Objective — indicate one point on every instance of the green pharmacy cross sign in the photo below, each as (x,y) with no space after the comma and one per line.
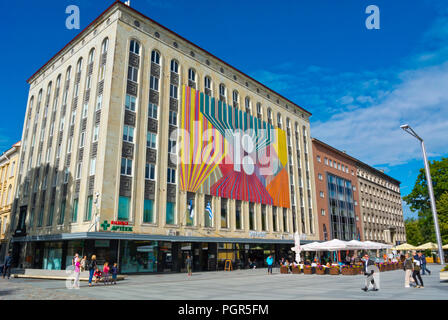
(116,226)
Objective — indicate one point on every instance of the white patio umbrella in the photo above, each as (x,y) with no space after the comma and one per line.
(313,246)
(356,245)
(335,245)
(373,245)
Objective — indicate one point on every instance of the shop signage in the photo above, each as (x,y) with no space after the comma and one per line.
(116,226)
(257,234)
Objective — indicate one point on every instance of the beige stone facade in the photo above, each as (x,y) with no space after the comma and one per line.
(71,174)
(9,162)
(381,207)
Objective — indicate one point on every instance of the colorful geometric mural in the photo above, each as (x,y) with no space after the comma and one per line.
(227,152)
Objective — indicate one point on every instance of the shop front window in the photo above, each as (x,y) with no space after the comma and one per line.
(52,256)
(138,256)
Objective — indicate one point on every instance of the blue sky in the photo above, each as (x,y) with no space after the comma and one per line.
(359,84)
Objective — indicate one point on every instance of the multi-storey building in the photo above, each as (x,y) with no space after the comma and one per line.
(99,170)
(355,200)
(337,194)
(9,161)
(381,206)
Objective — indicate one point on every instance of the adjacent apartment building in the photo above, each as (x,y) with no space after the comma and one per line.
(9,162)
(141,147)
(355,200)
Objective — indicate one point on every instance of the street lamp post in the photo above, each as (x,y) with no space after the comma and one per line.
(409,130)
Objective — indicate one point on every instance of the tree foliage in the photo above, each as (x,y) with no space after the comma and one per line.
(422,229)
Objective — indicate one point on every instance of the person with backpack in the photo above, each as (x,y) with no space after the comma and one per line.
(92,266)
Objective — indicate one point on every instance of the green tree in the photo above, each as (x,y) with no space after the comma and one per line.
(418,199)
(442,212)
(413,233)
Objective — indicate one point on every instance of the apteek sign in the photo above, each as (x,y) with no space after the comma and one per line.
(116,226)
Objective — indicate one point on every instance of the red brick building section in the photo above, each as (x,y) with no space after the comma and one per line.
(330,160)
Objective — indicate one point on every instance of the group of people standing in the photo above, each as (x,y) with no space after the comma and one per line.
(94,271)
(412,267)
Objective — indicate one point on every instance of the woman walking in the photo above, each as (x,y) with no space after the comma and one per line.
(83,264)
(77,272)
(416,274)
(92,266)
(188,263)
(408,268)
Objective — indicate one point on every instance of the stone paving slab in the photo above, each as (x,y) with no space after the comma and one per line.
(236,285)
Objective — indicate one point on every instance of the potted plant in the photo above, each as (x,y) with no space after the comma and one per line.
(307,270)
(444,273)
(296,270)
(320,269)
(284,269)
(347,270)
(334,270)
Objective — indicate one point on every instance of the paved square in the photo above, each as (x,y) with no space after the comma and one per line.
(237,285)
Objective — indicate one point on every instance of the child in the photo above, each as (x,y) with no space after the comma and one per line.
(114,271)
(97,275)
(106,272)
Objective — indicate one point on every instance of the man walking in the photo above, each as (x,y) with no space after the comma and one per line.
(7,266)
(369,273)
(422,259)
(270,262)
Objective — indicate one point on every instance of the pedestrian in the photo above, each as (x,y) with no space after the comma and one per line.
(7,266)
(416,273)
(114,271)
(84,264)
(76,256)
(97,275)
(270,262)
(77,272)
(188,264)
(408,268)
(106,270)
(92,266)
(369,273)
(422,259)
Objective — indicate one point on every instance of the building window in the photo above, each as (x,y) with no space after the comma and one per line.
(224,213)
(150,171)
(95,133)
(126,166)
(174,66)
(251,216)
(88,213)
(173,118)
(105,45)
(135,47)
(170,213)
(222,90)
(132,74)
(247,105)
(151,140)
(171,175)
(238,216)
(191,75)
(322,212)
(92,166)
(320,176)
(154,83)
(152,111)
(148,211)
(99,102)
(172,146)
(155,57)
(173,91)
(128,133)
(274,218)
(263,217)
(85,109)
(130,102)
(321,194)
(75,210)
(208,212)
(82,139)
(235,98)
(50,215)
(318,159)
(207,83)
(124,204)
(78,170)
